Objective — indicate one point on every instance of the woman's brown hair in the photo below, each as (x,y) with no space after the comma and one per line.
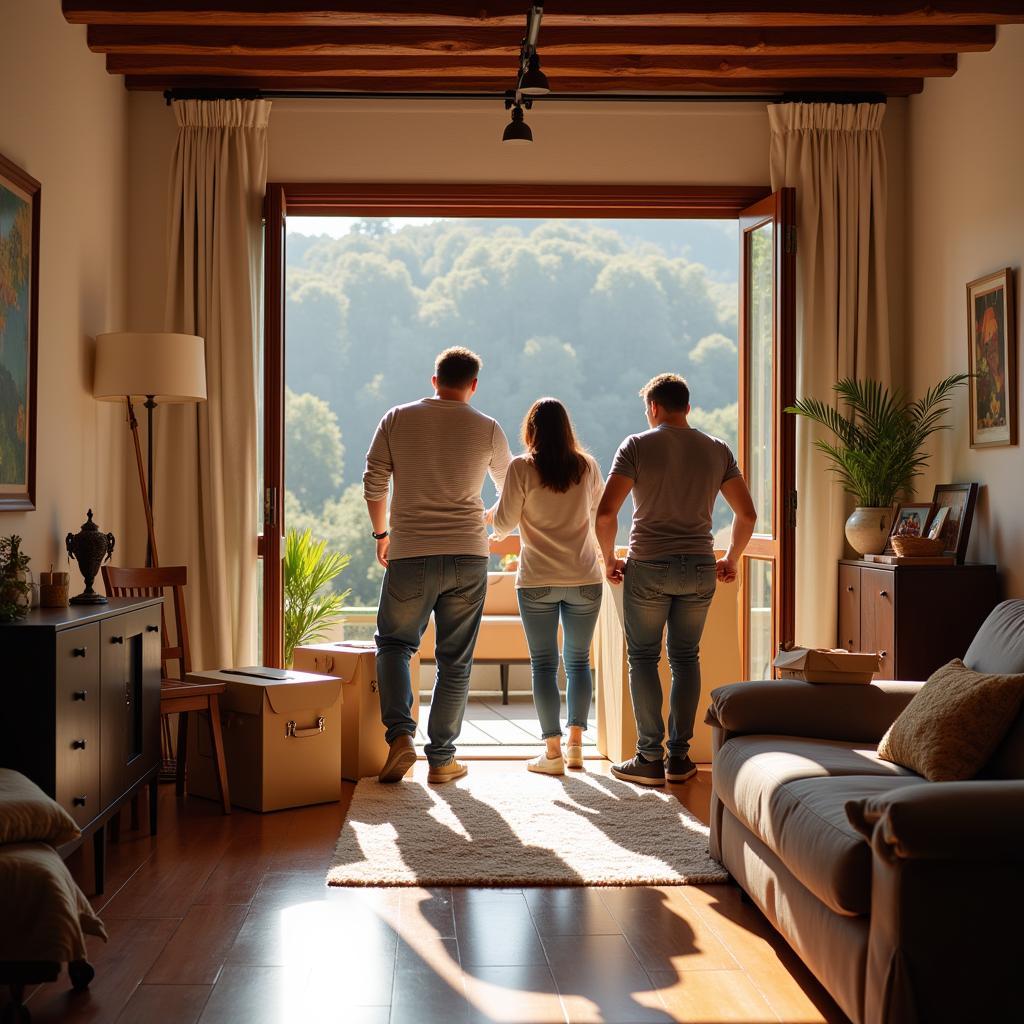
(551,443)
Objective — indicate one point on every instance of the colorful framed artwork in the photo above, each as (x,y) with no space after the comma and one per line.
(910,520)
(959,501)
(19,325)
(992,360)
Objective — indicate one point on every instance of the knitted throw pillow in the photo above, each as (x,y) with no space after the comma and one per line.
(953,725)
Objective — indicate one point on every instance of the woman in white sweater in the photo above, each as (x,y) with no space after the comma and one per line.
(551,493)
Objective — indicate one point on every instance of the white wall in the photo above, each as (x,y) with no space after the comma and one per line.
(62,119)
(965,218)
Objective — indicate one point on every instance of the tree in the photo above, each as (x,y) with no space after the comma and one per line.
(314,453)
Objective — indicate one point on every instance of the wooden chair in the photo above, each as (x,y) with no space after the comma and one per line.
(177,695)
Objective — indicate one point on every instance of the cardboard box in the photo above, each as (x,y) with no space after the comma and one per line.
(281,741)
(826,666)
(363,746)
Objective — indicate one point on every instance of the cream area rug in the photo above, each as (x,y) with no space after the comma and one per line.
(493,829)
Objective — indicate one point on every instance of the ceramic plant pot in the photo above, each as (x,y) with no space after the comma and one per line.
(867,529)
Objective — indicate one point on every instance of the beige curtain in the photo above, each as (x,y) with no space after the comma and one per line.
(206,470)
(834,156)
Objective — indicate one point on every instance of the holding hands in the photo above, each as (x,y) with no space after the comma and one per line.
(725,569)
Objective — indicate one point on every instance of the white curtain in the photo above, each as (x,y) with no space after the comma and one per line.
(206,470)
(834,155)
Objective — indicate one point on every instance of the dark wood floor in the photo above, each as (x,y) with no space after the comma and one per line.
(227,919)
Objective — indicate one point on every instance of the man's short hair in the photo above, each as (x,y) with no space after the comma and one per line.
(457,367)
(668,390)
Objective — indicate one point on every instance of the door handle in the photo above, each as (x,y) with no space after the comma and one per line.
(78,801)
(117,639)
(80,695)
(78,745)
(152,629)
(78,652)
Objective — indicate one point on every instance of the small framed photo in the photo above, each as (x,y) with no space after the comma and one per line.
(959,501)
(992,360)
(910,520)
(938,523)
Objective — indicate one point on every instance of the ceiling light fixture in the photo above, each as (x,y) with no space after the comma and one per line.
(530,81)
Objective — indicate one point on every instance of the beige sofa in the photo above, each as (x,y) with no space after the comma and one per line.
(904,897)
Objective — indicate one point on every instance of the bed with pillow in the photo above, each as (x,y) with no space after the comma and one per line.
(880,828)
(46,917)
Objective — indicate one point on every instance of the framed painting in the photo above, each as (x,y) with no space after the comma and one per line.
(19,325)
(992,360)
(955,504)
(910,520)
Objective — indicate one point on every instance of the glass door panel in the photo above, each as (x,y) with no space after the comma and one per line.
(766,435)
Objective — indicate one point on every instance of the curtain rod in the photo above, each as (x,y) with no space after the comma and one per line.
(170,95)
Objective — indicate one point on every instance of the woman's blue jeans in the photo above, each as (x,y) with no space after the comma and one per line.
(541,609)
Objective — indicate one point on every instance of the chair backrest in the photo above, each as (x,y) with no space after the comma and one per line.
(125,582)
(999,648)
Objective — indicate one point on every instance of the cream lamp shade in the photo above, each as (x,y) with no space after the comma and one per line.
(168,367)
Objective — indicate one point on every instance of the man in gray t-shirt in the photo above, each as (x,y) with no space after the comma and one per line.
(675,473)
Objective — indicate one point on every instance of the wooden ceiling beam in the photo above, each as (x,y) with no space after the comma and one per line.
(557,40)
(566,86)
(557,68)
(682,13)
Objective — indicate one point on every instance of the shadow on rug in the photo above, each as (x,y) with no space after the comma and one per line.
(533,830)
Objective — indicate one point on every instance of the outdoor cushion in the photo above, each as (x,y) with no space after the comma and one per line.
(792,794)
(501,638)
(955,723)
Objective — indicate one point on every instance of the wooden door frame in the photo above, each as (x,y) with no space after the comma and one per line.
(780,547)
(312,199)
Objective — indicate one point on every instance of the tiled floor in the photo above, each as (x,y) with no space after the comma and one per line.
(226,920)
(493,729)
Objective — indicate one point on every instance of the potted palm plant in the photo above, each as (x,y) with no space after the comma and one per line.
(879,447)
(310,607)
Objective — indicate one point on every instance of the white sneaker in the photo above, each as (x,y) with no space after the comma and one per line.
(574,755)
(546,765)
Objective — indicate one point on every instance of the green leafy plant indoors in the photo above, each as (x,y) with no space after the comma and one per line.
(880,444)
(309,606)
(14,586)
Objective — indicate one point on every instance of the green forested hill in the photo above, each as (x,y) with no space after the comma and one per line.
(584,311)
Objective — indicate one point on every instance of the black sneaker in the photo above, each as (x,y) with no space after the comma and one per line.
(638,769)
(679,769)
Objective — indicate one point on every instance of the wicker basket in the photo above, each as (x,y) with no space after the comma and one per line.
(917,547)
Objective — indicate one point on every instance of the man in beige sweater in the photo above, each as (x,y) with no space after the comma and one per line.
(432,543)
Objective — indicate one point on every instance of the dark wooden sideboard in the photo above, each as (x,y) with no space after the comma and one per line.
(917,618)
(80,712)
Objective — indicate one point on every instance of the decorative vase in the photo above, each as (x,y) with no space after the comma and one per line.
(868,529)
(90,549)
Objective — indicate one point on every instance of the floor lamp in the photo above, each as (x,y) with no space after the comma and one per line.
(158,368)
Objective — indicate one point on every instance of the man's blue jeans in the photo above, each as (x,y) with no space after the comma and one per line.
(453,587)
(674,591)
(578,608)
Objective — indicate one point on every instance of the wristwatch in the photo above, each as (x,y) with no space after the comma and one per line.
(379,536)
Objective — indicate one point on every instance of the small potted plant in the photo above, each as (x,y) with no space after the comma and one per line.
(15,582)
(879,448)
(310,606)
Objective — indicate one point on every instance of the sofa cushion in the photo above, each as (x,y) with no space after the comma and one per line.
(792,794)
(952,727)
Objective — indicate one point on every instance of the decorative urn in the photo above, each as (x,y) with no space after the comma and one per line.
(90,549)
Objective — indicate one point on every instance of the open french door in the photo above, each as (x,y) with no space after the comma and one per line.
(271,542)
(767,435)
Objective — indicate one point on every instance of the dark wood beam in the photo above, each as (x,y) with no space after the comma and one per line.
(440,84)
(557,40)
(499,69)
(410,13)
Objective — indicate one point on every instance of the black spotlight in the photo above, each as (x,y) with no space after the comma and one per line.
(534,82)
(517,131)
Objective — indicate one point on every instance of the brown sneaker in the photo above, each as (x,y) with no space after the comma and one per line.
(447,772)
(401,757)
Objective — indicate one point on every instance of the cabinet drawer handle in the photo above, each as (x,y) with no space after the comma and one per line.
(117,639)
(78,652)
(152,629)
(78,801)
(78,745)
(849,590)
(883,593)
(883,654)
(80,695)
